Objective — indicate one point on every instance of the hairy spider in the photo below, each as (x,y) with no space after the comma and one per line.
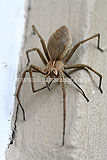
(57,53)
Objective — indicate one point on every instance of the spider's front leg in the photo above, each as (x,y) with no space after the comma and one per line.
(33,67)
(45,86)
(64,105)
(64,111)
(83,93)
(46,81)
(17,94)
(20,85)
(18,91)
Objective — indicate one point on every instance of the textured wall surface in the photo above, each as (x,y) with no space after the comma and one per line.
(40,136)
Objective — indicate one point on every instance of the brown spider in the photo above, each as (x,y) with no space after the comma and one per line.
(57,53)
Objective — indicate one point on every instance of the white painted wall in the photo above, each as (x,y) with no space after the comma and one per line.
(11,30)
(40,136)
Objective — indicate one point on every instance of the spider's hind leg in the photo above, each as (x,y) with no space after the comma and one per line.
(40,54)
(81,42)
(42,42)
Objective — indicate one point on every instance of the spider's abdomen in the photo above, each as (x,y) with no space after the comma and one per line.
(59,43)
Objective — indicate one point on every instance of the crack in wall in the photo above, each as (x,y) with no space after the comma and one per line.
(14,129)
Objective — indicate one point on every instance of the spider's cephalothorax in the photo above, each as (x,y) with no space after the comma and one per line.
(57,53)
(54,68)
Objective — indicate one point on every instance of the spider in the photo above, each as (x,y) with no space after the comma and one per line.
(57,53)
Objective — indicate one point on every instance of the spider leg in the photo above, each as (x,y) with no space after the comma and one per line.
(46,81)
(80,66)
(76,85)
(42,42)
(17,94)
(45,86)
(64,108)
(81,42)
(40,54)
(20,85)
(39,70)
